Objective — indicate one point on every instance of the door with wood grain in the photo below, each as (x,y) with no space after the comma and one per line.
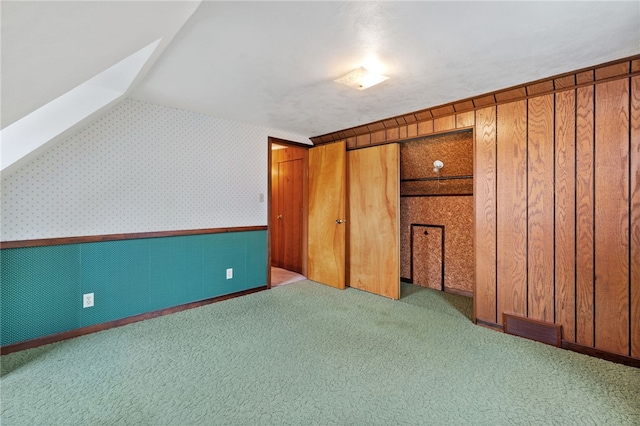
(374,220)
(327,214)
(287,250)
(288,214)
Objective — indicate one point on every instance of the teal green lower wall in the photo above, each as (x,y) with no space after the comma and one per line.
(41,288)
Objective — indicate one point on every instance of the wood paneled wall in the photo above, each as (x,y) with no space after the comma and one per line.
(635,217)
(565,220)
(557,205)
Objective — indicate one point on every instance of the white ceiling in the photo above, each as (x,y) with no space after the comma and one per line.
(52,47)
(273,63)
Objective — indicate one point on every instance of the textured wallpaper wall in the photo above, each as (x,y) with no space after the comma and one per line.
(142,168)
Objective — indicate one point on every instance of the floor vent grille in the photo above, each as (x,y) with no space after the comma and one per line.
(540,331)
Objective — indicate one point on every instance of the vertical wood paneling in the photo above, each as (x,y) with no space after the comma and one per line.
(557,209)
(613,70)
(565,236)
(412,130)
(379,136)
(465,119)
(485,214)
(540,235)
(445,123)
(584,77)
(565,82)
(363,140)
(393,134)
(584,216)
(635,217)
(425,127)
(512,208)
(612,216)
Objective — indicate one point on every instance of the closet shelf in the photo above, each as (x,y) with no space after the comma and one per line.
(428,179)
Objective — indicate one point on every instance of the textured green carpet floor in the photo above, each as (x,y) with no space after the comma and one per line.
(310,354)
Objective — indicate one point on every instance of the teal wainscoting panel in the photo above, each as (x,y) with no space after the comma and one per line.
(40,292)
(220,257)
(175,268)
(117,273)
(256,257)
(41,288)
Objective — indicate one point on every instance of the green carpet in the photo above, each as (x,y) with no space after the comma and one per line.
(309,354)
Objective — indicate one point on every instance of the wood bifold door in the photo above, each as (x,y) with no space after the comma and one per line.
(371,230)
(327,214)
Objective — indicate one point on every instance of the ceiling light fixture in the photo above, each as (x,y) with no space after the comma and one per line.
(361,78)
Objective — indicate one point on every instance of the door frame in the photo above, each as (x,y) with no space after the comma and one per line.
(305,200)
(471,129)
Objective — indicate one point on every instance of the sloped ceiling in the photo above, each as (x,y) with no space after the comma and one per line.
(273,63)
(51,47)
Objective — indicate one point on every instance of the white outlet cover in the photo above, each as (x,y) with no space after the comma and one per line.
(87,300)
(229,273)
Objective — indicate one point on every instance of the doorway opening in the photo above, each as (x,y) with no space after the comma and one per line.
(436,212)
(287,211)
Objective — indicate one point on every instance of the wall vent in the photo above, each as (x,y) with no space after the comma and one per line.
(540,331)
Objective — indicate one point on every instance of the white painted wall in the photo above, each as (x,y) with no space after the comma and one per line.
(142,168)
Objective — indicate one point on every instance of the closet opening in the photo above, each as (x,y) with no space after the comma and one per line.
(436,212)
(287,211)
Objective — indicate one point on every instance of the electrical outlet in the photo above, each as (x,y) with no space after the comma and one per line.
(87,300)
(229,273)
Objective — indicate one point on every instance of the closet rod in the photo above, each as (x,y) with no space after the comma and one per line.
(435,195)
(437,178)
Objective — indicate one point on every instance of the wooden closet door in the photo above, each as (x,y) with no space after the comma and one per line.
(327,203)
(374,220)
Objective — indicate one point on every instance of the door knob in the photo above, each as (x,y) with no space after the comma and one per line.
(339,221)
(279,217)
